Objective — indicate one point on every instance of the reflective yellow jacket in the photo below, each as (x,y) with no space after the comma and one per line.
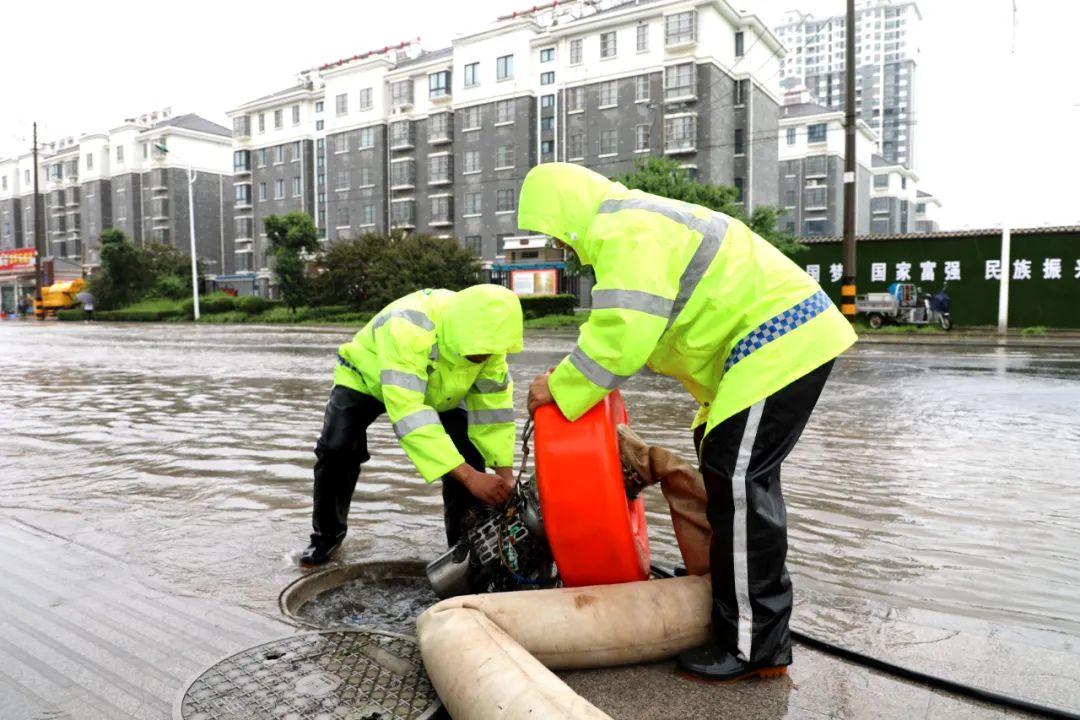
(412,357)
(689,292)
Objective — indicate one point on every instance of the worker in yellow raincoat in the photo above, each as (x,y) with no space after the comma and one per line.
(695,295)
(435,362)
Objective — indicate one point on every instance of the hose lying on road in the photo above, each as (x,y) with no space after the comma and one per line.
(940,683)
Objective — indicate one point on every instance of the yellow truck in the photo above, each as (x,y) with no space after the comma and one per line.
(58,296)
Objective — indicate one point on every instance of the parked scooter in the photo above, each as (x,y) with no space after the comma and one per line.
(905,304)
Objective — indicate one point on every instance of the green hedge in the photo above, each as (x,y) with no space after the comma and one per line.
(252,304)
(534,306)
(135,315)
(70,315)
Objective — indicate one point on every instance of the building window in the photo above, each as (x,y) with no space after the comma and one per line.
(318,106)
(575,99)
(439,84)
(547,78)
(547,102)
(547,123)
(278,119)
(680,28)
(816,198)
(403,173)
(365,98)
(789,198)
(365,176)
(471,118)
(903,183)
(241,126)
(295,114)
(296,151)
(504,111)
(791,136)
(815,133)
(547,55)
(367,138)
(440,127)
(504,200)
(472,74)
(279,188)
(679,80)
(342,180)
(739,189)
(547,147)
(609,93)
(608,142)
(473,204)
(576,146)
(367,215)
(607,44)
(319,125)
(472,243)
(262,122)
(472,161)
(739,146)
(262,191)
(242,161)
(297,188)
(881,181)
(403,213)
(504,67)
(401,93)
(642,38)
(641,138)
(641,88)
(279,154)
(243,194)
(740,92)
(920,208)
(439,169)
(341,104)
(739,44)
(89,161)
(504,157)
(401,134)
(815,166)
(575,51)
(442,209)
(343,217)
(680,133)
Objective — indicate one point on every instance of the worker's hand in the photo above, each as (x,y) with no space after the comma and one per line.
(540,392)
(506,473)
(489,489)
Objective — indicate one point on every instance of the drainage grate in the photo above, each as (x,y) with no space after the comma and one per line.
(340,675)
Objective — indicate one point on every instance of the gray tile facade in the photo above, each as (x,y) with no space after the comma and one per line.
(127,205)
(355,182)
(11,220)
(812,196)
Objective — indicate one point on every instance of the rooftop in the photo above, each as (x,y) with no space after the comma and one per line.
(805,109)
(191,121)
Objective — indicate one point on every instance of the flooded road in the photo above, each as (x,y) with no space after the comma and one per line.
(934,487)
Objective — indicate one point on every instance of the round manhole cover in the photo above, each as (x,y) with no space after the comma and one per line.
(342,675)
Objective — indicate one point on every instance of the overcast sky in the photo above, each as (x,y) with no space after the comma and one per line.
(986,142)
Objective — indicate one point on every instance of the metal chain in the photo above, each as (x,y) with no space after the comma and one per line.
(526,435)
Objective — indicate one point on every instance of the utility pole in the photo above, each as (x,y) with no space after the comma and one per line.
(38,249)
(847,283)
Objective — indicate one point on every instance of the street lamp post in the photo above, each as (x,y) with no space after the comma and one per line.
(191,173)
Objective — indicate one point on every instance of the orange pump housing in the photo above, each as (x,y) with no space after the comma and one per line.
(597,536)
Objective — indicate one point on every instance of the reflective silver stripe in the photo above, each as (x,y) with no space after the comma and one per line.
(712,230)
(434,354)
(744,624)
(401,379)
(484,385)
(490,417)
(593,371)
(418,419)
(632,300)
(416,317)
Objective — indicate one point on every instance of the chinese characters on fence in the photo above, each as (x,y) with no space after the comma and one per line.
(1022,269)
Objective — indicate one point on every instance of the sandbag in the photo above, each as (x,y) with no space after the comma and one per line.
(488,655)
(684,490)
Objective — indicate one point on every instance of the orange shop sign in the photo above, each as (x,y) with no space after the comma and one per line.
(21,259)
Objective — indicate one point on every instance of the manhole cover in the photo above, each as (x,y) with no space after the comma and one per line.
(341,675)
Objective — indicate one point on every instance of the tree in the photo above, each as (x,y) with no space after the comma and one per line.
(117,281)
(663,176)
(370,271)
(290,237)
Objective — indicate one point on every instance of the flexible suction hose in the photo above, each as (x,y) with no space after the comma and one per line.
(940,683)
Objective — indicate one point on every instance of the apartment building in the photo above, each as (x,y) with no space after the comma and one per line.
(926,207)
(133,177)
(811,176)
(886,60)
(893,196)
(439,142)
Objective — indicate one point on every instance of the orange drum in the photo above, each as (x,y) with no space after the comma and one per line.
(597,536)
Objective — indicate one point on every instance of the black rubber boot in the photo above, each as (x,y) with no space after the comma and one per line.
(712,662)
(317,554)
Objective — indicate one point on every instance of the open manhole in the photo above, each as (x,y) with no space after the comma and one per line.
(335,675)
(381,595)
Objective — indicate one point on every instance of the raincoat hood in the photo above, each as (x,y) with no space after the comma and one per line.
(561,200)
(482,320)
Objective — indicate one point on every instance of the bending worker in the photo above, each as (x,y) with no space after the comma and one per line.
(435,362)
(696,295)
